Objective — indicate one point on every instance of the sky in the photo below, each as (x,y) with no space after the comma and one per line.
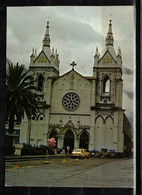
(75,31)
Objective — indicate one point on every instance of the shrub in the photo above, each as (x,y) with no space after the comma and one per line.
(9,148)
(35,150)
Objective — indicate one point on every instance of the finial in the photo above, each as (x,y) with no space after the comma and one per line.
(33,51)
(47,26)
(52,50)
(96,50)
(56,51)
(58,57)
(73,64)
(119,51)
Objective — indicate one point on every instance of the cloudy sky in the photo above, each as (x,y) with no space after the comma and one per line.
(75,31)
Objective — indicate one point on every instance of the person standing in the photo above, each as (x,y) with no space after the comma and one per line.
(68,150)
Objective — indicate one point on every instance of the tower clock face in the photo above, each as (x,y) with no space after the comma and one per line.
(71,101)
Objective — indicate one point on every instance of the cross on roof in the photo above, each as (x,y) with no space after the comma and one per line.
(73,64)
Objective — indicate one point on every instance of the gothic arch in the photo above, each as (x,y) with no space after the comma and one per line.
(69,139)
(105,75)
(84,138)
(50,131)
(106,84)
(40,80)
(99,116)
(34,117)
(107,118)
(67,128)
(83,132)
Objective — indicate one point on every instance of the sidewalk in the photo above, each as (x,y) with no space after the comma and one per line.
(9,158)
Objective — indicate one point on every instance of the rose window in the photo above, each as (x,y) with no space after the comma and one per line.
(71,101)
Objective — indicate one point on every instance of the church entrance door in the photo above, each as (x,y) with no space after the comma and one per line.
(69,140)
(54,134)
(84,140)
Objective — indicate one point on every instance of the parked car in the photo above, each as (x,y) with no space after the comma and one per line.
(95,153)
(113,154)
(80,153)
(104,153)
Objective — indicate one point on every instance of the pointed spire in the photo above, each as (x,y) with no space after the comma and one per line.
(33,51)
(53,51)
(119,51)
(109,38)
(56,52)
(46,42)
(96,54)
(46,38)
(58,58)
(119,57)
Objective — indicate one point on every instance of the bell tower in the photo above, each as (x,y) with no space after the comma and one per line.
(44,66)
(107,71)
(45,69)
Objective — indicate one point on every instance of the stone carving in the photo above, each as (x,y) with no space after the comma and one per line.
(70,123)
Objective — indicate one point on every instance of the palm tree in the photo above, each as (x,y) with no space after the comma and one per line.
(20,97)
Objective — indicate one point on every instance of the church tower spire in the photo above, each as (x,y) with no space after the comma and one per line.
(46,41)
(109,38)
(46,38)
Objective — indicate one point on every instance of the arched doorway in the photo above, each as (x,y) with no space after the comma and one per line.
(53,133)
(84,140)
(69,140)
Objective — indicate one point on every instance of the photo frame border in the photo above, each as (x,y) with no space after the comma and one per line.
(67,190)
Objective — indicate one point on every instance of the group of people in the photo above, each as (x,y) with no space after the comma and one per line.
(64,150)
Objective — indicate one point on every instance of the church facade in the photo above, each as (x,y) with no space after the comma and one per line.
(79,111)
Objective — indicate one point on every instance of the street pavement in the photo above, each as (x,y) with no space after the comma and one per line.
(91,172)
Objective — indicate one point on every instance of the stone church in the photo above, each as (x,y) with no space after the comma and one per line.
(79,111)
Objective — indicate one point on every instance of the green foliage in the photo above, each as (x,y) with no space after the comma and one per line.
(20,98)
(35,150)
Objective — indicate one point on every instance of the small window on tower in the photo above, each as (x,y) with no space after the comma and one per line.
(44,59)
(40,83)
(110,60)
(106,84)
(41,59)
(103,60)
(107,59)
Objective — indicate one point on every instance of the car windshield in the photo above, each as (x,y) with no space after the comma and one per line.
(76,151)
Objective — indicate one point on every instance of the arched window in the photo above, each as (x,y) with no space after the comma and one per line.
(103,60)
(40,83)
(106,84)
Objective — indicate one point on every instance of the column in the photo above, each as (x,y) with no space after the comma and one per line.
(76,143)
(60,142)
(91,141)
